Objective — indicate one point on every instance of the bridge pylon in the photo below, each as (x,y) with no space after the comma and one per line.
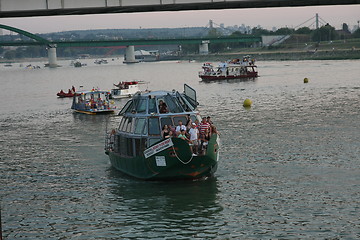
(130,55)
(204,48)
(52,56)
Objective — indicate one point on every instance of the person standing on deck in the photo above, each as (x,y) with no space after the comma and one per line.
(180,127)
(194,137)
(204,125)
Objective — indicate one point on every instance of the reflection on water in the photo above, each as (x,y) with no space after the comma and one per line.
(185,209)
(237,80)
(288,165)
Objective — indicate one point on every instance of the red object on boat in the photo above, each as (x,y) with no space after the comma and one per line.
(63,94)
(131,83)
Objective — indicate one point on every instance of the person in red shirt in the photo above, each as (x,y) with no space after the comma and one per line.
(204,125)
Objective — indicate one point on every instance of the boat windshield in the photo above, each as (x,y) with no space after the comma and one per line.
(166,121)
(140,105)
(190,95)
(152,106)
(139,126)
(154,128)
(127,108)
(173,106)
(166,103)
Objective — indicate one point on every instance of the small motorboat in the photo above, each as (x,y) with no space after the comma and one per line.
(70,93)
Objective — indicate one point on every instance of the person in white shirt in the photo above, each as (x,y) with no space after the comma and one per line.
(194,137)
(180,127)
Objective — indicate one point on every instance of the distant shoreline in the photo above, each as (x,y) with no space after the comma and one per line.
(280,55)
(258,55)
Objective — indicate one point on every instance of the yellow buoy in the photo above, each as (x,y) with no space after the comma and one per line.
(247,103)
(306,80)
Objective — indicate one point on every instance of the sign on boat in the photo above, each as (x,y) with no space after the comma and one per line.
(137,148)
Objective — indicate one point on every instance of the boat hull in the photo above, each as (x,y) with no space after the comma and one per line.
(173,163)
(91,112)
(64,95)
(226,77)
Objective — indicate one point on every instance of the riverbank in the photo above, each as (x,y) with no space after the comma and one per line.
(279,55)
(259,55)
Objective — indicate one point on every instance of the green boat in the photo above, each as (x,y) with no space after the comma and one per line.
(137,148)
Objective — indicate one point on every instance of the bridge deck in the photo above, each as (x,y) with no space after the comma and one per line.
(11,8)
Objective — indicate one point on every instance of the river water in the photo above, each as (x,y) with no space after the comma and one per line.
(289,166)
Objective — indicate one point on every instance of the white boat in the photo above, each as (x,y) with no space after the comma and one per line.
(234,69)
(125,89)
(147,56)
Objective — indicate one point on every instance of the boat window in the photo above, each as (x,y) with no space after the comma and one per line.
(124,126)
(193,118)
(152,106)
(154,128)
(79,99)
(115,92)
(152,141)
(173,106)
(188,106)
(163,107)
(165,121)
(116,146)
(145,130)
(190,95)
(140,105)
(127,108)
(181,101)
(122,121)
(139,126)
(180,118)
(129,147)
(140,146)
(129,127)
(137,146)
(122,142)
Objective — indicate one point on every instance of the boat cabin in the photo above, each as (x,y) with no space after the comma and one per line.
(144,116)
(94,101)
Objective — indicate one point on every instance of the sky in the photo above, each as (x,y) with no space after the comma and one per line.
(265,17)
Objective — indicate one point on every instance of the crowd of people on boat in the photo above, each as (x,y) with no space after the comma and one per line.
(93,103)
(125,85)
(245,60)
(223,66)
(197,134)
